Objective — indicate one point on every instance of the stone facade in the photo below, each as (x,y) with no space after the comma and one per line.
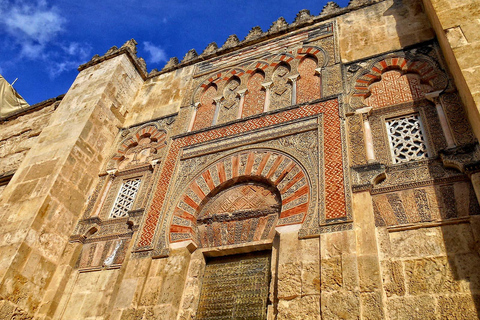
(322,169)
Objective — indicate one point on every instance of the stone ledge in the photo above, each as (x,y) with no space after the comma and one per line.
(430,224)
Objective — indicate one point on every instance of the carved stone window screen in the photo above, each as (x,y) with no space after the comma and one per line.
(407,138)
(125,198)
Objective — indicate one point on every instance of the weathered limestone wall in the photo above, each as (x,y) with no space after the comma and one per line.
(298,276)
(20,134)
(160,96)
(45,198)
(386,26)
(431,272)
(141,288)
(456,26)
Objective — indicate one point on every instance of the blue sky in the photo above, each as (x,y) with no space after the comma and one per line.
(42,42)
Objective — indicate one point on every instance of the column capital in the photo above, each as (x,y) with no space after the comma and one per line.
(267,85)
(242,92)
(154,162)
(364,111)
(218,99)
(112,173)
(434,96)
(294,77)
(319,70)
(195,105)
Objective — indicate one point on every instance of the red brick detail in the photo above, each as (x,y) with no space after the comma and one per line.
(297,194)
(262,164)
(395,88)
(334,192)
(422,68)
(292,182)
(208,179)
(285,172)
(235,162)
(180,229)
(183,214)
(295,210)
(333,159)
(255,96)
(284,57)
(190,202)
(262,222)
(206,109)
(221,172)
(308,84)
(197,190)
(274,166)
(248,167)
(375,69)
(304,51)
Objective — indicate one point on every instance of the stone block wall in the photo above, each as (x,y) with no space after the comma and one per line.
(349,237)
(19,134)
(46,196)
(456,24)
(428,272)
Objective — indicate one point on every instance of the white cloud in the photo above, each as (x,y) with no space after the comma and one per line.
(56,68)
(79,50)
(157,54)
(32,25)
(68,58)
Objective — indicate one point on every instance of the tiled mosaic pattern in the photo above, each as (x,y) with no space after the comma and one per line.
(255,96)
(395,80)
(308,84)
(206,109)
(395,88)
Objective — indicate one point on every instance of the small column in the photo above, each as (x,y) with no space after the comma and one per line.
(218,103)
(318,72)
(367,133)
(435,98)
(194,114)
(267,86)
(111,174)
(475,178)
(293,79)
(241,93)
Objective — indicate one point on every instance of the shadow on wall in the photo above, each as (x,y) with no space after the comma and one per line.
(412,25)
(441,269)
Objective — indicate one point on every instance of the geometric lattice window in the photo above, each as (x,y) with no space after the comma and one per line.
(125,198)
(407,138)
